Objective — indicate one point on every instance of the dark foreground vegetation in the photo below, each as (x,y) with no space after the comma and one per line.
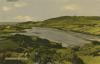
(43,51)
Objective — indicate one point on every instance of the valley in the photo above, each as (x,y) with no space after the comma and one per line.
(61,40)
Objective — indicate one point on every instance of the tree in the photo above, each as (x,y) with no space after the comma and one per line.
(22,40)
(77,60)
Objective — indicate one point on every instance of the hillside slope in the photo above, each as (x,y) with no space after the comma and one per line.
(84,24)
(89,25)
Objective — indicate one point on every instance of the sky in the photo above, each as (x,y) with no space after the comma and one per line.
(36,10)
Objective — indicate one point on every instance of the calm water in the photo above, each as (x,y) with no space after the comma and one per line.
(66,38)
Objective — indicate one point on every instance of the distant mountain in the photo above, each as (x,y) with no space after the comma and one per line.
(73,18)
(76,17)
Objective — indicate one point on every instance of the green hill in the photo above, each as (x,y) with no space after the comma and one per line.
(84,24)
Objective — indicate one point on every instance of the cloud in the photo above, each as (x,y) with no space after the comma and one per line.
(6,8)
(11,0)
(13,6)
(26,18)
(20,4)
(71,7)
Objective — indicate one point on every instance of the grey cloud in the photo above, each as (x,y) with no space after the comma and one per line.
(43,9)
